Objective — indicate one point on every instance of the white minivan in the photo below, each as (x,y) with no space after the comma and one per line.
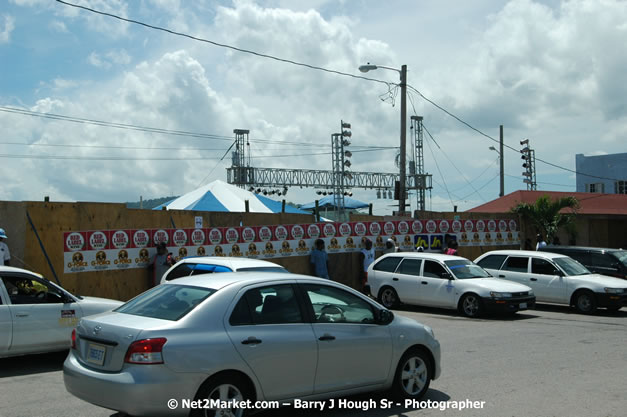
(556,278)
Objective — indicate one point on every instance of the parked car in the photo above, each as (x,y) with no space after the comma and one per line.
(557,278)
(246,336)
(37,315)
(445,281)
(604,261)
(211,264)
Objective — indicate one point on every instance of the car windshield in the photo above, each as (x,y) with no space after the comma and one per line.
(464,269)
(168,302)
(621,255)
(263,269)
(571,267)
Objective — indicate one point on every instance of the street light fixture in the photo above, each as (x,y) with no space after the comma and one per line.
(403,84)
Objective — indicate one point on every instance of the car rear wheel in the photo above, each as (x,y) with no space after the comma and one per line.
(226,389)
(585,302)
(388,297)
(413,375)
(470,305)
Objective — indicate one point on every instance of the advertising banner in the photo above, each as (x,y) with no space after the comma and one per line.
(99,250)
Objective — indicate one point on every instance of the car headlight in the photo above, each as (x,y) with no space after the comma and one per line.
(614,290)
(495,294)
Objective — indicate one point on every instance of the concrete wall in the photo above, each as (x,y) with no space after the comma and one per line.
(608,166)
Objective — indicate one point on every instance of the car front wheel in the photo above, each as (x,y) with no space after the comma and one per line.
(413,375)
(585,302)
(388,297)
(470,305)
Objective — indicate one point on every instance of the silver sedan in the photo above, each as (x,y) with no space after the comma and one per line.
(214,341)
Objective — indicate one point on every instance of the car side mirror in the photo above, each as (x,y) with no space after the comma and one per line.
(384,317)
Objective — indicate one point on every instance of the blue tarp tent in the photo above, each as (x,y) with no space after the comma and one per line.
(328,202)
(220,196)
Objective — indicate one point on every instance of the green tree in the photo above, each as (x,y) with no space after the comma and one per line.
(546,215)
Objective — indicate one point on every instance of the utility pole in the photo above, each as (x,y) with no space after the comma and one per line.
(501,155)
(402,194)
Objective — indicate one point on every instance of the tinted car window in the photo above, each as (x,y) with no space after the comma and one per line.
(241,314)
(434,270)
(334,305)
(388,264)
(492,261)
(571,266)
(28,290)
(543,267)
(516,264)
(182,270)
(410,266)
(602,260)
(273,305)
(464,269)
(168,302)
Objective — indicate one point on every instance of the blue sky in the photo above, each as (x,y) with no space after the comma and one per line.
(549,71)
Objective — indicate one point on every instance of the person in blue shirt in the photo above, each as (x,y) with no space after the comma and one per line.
(319,260)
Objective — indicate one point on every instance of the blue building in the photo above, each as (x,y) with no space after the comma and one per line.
(612,168)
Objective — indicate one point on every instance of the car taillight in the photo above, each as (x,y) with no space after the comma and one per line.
(73,338)
(146,351)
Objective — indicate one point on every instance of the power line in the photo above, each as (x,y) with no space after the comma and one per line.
(505,145)
(222,45)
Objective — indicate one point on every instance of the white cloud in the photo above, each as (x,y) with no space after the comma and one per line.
(6,28)
(107,60)
(58,26)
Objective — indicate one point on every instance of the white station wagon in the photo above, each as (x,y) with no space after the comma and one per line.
(556,278)
(444,281)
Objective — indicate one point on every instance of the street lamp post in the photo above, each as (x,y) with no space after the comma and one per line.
(501,173)
(402,159)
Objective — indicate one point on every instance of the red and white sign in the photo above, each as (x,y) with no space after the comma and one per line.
(97,240)
(480,226)
(444,226)
(248,234)
(313,231)
(416,227)
(403,227)
(388,228)
(160,236)
(198,237)
(491,225)
(431,226)
(215,236)
(456,226)
(502,226)
(141,238)
(360,229)
(469,226)
(297,232)
(280,232)
(329,230)
(75,241)
(375,229)
(265,234)
(345,229)
(179,237)
(120,239)
(231,235)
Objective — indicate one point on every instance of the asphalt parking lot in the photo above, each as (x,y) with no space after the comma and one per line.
(545,362)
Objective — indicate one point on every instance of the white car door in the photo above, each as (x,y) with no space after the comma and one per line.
(6,322)
(42,321)
(435,287)
(516,268)
(406,280)
(549,280)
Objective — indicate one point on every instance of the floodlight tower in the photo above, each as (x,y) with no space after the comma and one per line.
(341,162)
(240,161)
(529,158)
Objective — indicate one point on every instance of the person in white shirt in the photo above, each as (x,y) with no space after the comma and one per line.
(5,255)
(366,257)
(540,241)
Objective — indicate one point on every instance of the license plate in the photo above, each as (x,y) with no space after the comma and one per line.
(523,305)
(96,354)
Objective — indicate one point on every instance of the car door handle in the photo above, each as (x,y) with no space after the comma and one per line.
(501,276)
(424,283)
(21,315)
(533,279)
(394,279)
(251,341)
(326,337)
